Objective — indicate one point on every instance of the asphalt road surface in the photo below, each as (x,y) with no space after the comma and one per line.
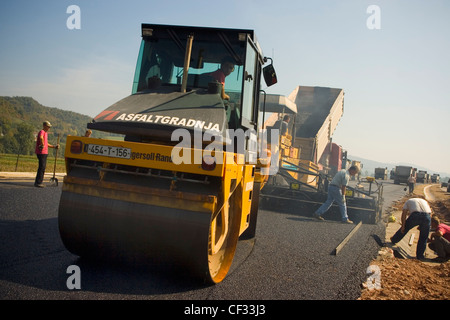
(290,259)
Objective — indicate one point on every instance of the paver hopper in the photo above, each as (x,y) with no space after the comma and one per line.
(300,184)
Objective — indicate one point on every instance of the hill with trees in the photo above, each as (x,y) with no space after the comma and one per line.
(21,119)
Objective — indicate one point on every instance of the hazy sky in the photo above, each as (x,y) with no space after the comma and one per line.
(393,63)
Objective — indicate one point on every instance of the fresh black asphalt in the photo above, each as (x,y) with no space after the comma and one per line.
(291,258)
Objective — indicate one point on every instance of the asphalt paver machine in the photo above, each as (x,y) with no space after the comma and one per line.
(296,183)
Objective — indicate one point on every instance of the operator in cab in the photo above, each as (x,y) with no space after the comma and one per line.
(226,68)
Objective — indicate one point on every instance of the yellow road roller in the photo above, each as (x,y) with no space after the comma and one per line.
(180,180)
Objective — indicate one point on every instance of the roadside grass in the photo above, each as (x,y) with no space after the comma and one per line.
(29,163)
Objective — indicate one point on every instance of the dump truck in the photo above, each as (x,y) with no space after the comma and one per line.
(402,173)
(435,178)
(359,165)
(381,173)
(422,176)
(181,186)
(319,112)
(300,185)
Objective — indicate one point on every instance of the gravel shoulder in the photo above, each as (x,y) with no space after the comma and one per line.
(411,279)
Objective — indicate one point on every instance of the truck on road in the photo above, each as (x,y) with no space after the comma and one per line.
(422,176)
(435,178)
(402,173)
(381,173)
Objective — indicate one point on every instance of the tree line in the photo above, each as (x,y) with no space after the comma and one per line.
(21,119)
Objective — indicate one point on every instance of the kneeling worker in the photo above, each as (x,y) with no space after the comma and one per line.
(416,212)
(440,239)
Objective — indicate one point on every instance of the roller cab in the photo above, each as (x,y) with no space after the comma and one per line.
(179,188)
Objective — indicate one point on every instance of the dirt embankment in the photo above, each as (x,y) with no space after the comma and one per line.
(411,279)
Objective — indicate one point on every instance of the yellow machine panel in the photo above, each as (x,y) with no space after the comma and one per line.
(141,155)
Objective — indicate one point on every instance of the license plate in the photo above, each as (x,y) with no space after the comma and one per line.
(109,151)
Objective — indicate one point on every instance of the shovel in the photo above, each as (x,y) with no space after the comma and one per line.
(54,180)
